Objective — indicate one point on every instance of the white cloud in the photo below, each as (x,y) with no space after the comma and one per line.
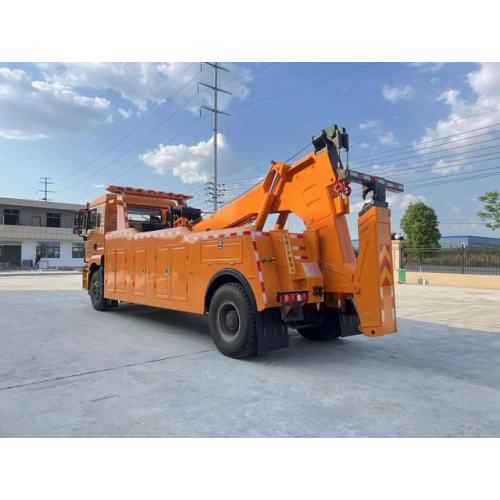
(125,113)
(387,138)
(147,82)
(398,202)
(401,201)
(370,125)
(426,67)
(192,164)
(374,127)
(464,115)
(31,109)
(397,93)
(66,98)
(384,170)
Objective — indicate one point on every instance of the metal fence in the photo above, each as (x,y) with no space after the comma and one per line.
(453,260)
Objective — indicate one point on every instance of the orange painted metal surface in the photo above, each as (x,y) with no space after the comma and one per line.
(173,267)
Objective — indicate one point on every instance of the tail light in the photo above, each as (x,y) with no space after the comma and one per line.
(290,298)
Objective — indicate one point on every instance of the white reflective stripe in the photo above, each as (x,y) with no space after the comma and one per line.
(257,260)
(383,316)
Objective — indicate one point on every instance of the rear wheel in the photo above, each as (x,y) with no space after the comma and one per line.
(329,328)
(232,321)
(99,303)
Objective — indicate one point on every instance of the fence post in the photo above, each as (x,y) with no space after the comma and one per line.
(463,258)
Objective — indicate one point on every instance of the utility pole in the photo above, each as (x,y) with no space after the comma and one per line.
(45,181)
(212,193)
(216,111)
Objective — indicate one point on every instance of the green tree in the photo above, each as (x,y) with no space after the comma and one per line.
(420,224)
(491,209)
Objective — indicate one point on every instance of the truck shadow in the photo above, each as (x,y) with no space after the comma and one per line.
(195,324)
(420,345)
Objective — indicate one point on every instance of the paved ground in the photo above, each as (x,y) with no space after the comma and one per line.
(66,370)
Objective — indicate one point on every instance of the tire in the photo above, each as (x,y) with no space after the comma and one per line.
(96,291)
(232,321)
(328,329)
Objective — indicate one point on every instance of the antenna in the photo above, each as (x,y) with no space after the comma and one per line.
(45,181)
(215,110)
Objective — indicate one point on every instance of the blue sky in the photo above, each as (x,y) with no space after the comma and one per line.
(86,125)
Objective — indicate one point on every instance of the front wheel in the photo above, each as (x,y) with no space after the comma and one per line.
(99,303)
(232,321)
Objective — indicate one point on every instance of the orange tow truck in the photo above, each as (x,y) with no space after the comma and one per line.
(150,247)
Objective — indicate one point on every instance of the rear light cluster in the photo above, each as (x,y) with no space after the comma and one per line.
(294,297)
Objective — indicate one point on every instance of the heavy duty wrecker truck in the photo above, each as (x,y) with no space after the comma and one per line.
(149,247)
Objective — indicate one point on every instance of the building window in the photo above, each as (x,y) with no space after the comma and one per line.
(36,220)
(11,216)
(77,250)
(48,249)
(53,220)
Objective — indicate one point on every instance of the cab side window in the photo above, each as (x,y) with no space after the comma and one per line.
(95,221)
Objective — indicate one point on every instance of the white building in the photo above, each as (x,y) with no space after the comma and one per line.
(32,227)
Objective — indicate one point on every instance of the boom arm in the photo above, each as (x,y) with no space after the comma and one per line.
(316,189)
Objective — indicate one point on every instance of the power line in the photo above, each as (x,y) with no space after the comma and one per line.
(452,181)
(415,168)
(437,149)
(137,127)
(445,176)
(302,87)
(141,161)
(135,146)
(445,165)
(425,127)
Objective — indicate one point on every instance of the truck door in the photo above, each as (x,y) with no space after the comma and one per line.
(178,285)
(121,271)
(139,270)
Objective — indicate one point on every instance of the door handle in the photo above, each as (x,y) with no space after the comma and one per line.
(167,271)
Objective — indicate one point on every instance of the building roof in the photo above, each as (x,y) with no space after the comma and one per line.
(469,236)
(40,204)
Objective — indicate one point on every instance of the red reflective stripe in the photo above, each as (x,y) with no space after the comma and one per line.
(246,233)
(258,266)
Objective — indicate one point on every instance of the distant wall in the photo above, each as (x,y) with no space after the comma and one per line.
(448,279)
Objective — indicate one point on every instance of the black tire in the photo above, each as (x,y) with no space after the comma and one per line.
(328,329)
(232,321)
(96,291)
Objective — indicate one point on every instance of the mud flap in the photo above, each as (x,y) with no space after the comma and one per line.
(349,320)
(272,333)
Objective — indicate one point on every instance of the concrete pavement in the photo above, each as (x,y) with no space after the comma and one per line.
(67,370)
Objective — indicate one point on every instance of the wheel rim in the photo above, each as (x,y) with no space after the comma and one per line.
(228,321)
